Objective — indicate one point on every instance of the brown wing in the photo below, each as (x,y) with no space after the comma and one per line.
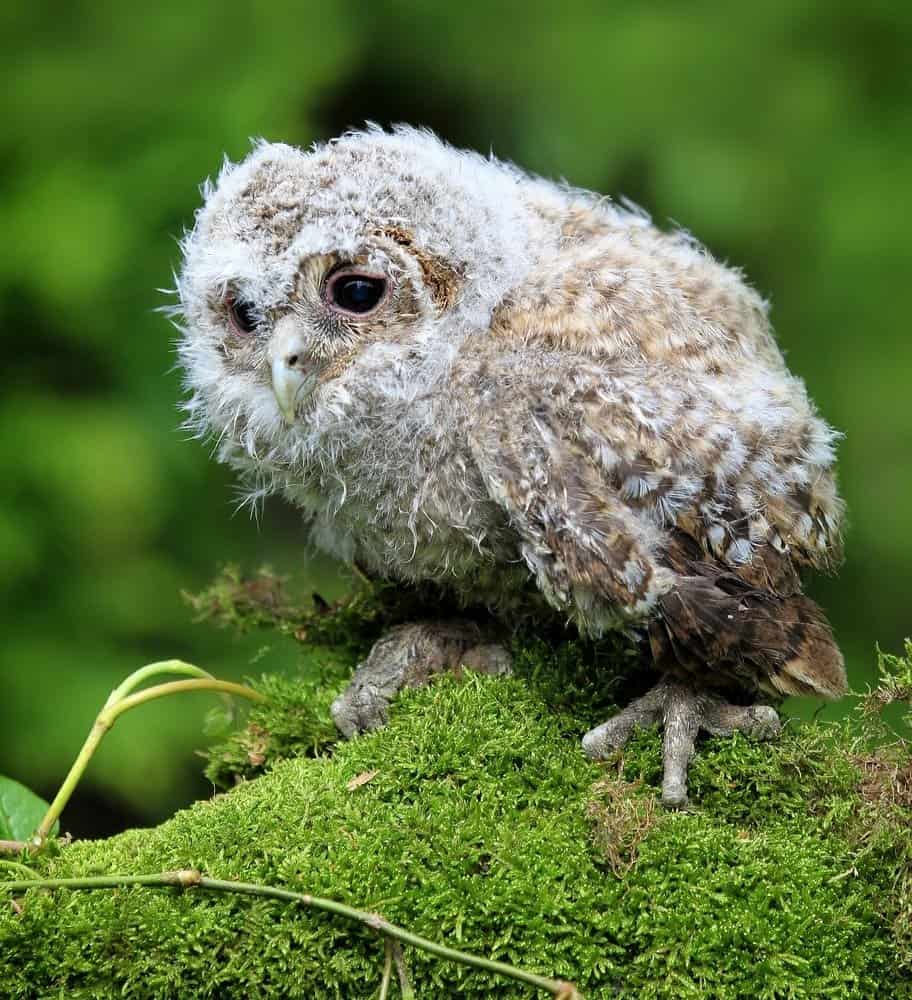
(629,507)
(590,553)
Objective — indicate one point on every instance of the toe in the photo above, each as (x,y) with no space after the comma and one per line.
(765,723)
(674,795)
(760,722)
(488,659)
(360,709)
(344,716)
(603,741)
(594,744)
(611,736)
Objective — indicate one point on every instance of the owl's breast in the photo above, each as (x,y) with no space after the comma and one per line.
(417,512)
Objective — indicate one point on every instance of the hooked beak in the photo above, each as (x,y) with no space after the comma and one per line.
(292,369)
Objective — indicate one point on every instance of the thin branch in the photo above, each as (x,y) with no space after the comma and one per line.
(22,869)
(151,670)
(387,969)
(177,687)
(190,878)
(405,984)
(119,702)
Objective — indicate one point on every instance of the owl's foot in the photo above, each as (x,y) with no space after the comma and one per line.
(684,711)
(408,656)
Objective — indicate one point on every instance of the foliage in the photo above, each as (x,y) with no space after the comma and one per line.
(350,624)
(20,810)
(895,676)
(778,133)
(294,720)
(576,678)
(473,817)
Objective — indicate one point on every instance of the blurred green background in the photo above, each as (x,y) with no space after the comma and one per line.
(779,133)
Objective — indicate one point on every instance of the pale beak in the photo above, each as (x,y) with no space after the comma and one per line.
(292,369)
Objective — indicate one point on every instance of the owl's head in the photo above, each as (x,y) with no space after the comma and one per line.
(309,273)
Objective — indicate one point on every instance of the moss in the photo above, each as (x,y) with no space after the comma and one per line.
(622,816)
(475,818)
(349,625)
(295,721)
(581,681)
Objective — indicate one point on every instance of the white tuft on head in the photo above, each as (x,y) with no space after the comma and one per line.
(267,216)
(460,206)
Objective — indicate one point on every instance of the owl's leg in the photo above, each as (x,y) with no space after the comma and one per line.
(408,656)
(684,711)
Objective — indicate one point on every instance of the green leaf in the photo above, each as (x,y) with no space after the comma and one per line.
(20,810)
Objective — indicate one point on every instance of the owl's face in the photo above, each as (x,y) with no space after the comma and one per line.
(307,314)
(310,277)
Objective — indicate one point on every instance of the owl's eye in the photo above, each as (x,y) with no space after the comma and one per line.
(242,315)
(351,292)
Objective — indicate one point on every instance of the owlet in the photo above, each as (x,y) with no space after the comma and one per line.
(465,374)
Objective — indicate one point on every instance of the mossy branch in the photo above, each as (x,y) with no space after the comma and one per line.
(189,878)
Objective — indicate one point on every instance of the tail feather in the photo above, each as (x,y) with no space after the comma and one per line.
(720,628)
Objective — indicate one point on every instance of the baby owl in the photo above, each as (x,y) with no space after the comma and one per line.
(465,374)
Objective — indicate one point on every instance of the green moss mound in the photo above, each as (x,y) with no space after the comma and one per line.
(485,826)
(476,820)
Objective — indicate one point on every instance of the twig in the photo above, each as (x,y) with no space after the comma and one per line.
(387,969)
(22,869)
(141,675)
(121,700)
(191,878)
(405,984)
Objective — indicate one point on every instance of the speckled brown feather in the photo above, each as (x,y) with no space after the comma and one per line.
(585,475)
(761,633)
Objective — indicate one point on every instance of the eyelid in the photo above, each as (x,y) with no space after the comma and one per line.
(353,270)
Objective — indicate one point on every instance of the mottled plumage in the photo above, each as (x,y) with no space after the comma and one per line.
(549,397)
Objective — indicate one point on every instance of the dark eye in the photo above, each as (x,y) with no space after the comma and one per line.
(356,293)
(242,314)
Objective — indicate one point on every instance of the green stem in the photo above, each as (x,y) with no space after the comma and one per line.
(151,670)
(43,831)
(387,969)
(22,869)
(405,983)
(114,707)
(189,878)
(112,712)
